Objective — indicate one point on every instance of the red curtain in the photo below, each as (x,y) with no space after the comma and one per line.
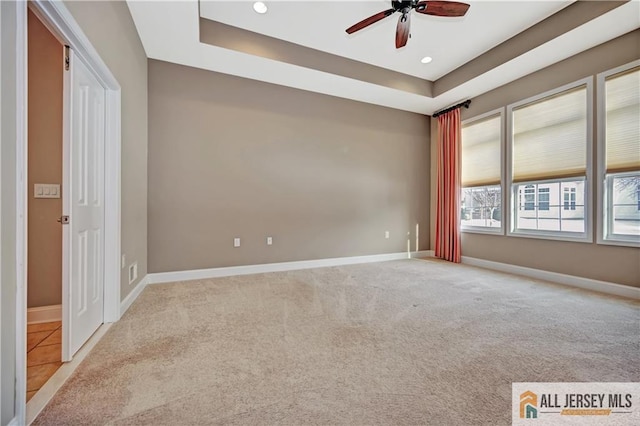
(448,195)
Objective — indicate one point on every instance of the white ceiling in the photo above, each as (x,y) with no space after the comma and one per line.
(451,42)
(169,31)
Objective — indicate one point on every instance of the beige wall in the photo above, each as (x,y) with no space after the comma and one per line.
(110,28)
(325,177)
(601,262)
(44,276)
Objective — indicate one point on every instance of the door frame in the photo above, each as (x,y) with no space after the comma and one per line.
(61,23)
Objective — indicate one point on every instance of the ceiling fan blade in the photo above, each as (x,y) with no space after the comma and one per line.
(403,30)
(370,20)
(449,9)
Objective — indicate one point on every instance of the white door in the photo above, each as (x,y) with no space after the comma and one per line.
(83,201)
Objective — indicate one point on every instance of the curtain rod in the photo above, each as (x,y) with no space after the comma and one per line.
(460,105)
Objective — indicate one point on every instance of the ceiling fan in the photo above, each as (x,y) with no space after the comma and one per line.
(435,8)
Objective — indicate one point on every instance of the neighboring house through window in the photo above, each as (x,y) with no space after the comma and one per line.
(569,198)
(529,197)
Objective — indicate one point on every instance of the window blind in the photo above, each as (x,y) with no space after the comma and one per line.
(550,137)
(481,152)
(623,121)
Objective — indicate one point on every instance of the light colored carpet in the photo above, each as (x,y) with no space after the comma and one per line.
(403,342)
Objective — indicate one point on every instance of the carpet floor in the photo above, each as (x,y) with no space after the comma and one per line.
(401,342)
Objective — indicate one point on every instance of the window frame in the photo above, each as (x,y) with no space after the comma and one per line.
(604,219)
(511,192)
(486,229)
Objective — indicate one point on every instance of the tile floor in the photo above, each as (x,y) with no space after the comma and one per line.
(44,352)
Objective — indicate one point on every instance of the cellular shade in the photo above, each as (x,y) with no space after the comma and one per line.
(481,152)
(623,121)
(550,137)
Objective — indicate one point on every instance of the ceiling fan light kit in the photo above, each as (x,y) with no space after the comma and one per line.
(447,9)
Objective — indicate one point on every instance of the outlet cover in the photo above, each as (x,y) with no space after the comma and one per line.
(269,241)
(236,242)
(46,190)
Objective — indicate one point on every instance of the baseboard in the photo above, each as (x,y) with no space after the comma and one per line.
(133,295)
(44,314)
(198,274)
(569,280)
(423,253)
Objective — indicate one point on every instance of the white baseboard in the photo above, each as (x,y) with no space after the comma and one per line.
(133,295)
(423,253)
(197,274)
(44,314)
(570,280)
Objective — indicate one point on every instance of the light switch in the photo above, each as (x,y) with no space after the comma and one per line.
(46,190)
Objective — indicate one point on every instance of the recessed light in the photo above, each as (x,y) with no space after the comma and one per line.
(426,59)
(260,7)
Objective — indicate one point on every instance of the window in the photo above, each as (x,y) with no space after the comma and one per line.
(481,197)
(481,206)
(534,197)
(625,204)
(543,198)
(548,154)
(529,197)
(569,198)
(621,136)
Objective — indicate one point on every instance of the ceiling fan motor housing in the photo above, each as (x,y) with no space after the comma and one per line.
(403,4)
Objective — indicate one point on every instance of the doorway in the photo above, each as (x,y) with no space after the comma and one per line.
(90,178)
(44,198)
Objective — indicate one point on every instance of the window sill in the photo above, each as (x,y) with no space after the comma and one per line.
(619,241)
(480,230)
(577,238)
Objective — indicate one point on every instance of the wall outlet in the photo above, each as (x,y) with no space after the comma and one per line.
(133,272)
(236,242)
(123,261)
(269,241)
(386,234)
